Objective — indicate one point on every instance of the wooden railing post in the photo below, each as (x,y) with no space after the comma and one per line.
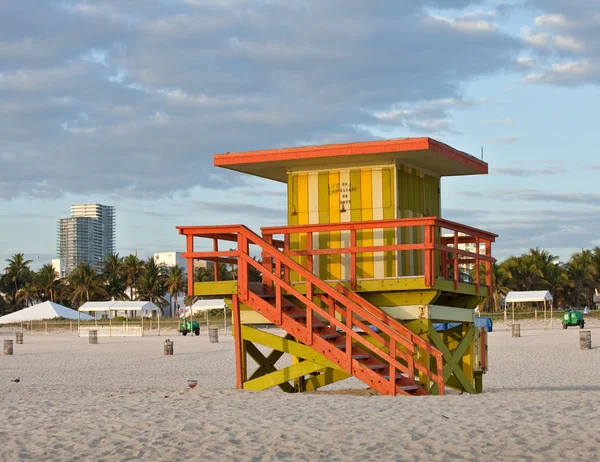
(349,337)
(309,249)
(392,367)
(278,299)
(353,259)
(216,267)
(243,266)
(477,263)
(488,267)
(189,239)
(455,260)
(309,313)
(286,249)
(428,269)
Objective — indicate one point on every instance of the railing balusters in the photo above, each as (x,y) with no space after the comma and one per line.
(278,290)
(428,269)
(353,259)
(348,336)
(286,249)
(309,312)
(455,260)
(392,368)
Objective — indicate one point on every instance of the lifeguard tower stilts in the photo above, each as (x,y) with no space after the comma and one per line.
(362,276)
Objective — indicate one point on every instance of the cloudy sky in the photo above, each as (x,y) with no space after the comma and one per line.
(125,102)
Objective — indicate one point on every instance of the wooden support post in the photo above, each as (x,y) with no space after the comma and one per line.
(189,238)
(237,332)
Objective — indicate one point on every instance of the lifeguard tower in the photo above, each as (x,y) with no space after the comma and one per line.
(366,279)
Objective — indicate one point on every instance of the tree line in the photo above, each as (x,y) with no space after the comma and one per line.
(130,278)
(120,278)
(571,284)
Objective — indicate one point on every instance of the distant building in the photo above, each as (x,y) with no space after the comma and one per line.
(59,267)
(87,236)
(170,259)
(174,258)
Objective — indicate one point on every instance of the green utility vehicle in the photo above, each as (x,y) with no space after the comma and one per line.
(572,318)
(189,326)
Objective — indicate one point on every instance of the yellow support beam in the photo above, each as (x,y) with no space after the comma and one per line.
(215,288)
(327,377)
(287,346)
(283,375)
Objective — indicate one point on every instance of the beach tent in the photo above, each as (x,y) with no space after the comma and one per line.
(41,311)
(145,308)
(206,305)
(536,296)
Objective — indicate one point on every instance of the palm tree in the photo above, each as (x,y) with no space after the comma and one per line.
(542,258)
(27,293)
(17,273)
(557,282)
(525,273)
(150,285)
(132,270)
(582,273)
(175,282)
(113,276)
(112,265)
(47,282)
(85,284)
(500,278)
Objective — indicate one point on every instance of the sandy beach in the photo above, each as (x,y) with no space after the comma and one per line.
(123,399)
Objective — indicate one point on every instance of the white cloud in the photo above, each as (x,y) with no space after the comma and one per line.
(502,140)
(465,23)
(552,20)
(172,83)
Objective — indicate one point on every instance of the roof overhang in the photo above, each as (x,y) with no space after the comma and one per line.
(425,153)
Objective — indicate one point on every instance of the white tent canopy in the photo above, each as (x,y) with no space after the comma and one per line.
(145,307)
(206,305)
(41,311)
(534,296)
(528,296)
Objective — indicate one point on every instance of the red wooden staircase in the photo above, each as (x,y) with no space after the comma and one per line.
(337,323)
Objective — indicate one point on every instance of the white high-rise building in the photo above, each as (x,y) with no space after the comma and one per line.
(87,236)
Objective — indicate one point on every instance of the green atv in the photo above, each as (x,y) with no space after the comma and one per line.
(189,326)
(572,318)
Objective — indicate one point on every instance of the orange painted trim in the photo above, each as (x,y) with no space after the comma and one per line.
(350,149)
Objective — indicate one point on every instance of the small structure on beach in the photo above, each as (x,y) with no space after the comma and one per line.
(125,328)
(537,297)
(204,306)
(360,273)
(40,312)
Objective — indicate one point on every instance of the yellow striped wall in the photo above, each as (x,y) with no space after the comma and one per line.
(418,195)
(358,194)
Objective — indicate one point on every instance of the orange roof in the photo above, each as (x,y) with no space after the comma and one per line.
(424,153)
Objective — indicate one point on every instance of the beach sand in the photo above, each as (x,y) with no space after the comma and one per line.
(123,399)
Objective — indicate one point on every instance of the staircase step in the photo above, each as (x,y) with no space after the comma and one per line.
(330,336)
(376,367)
(398,376)
(409,387)
(360,356)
